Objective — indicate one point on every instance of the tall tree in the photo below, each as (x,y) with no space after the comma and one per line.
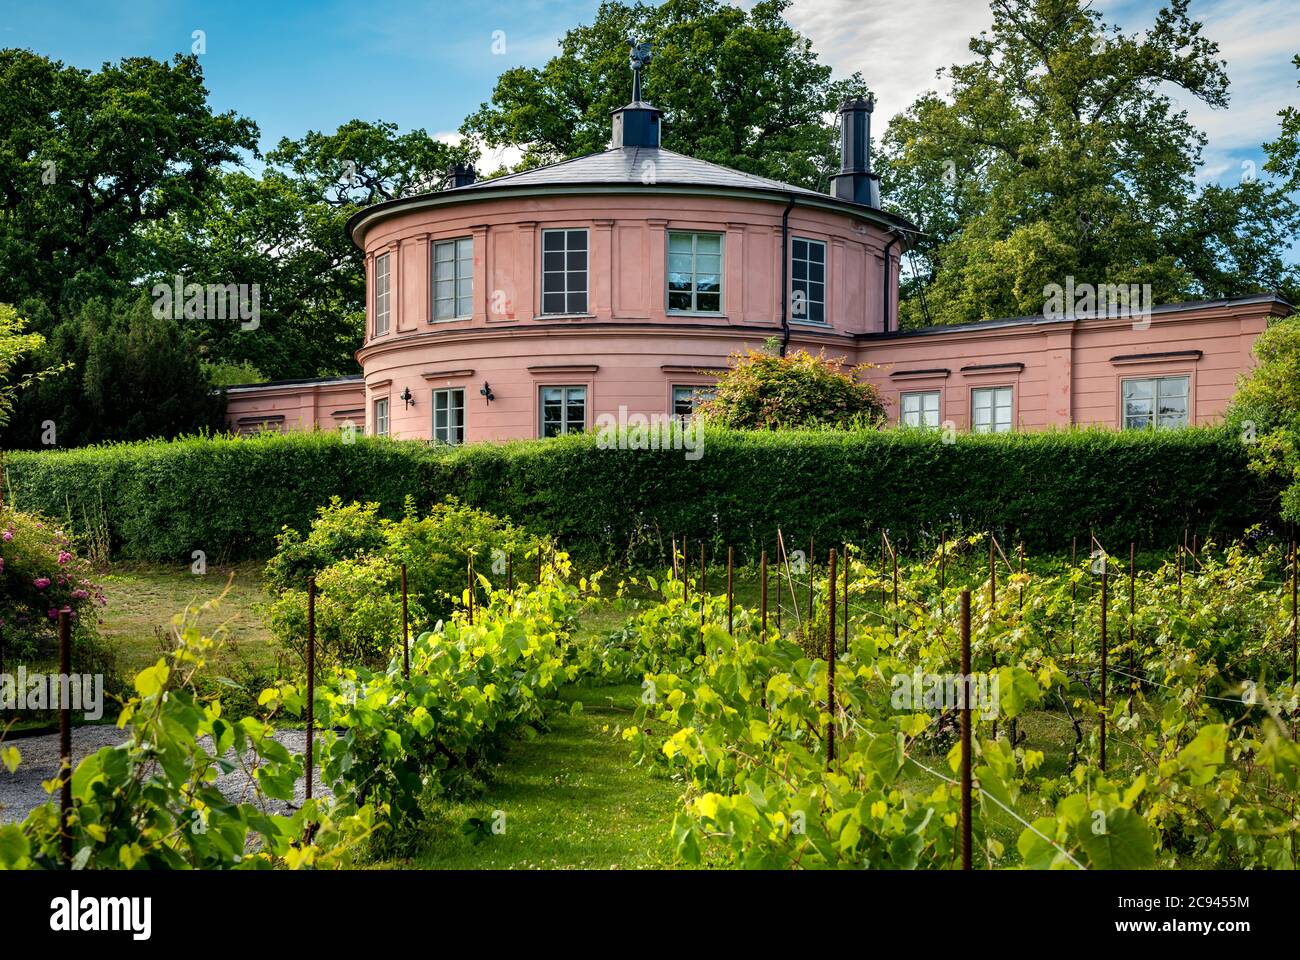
(1060,153)
(89,157)
(285,231)
(737,87)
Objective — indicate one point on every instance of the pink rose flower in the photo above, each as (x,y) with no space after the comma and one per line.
(40,583)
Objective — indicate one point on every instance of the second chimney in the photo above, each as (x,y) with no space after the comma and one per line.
(855,181)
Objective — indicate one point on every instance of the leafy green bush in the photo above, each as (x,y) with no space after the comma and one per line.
(232,496)
(762,391)
(356,556)
(1266,411)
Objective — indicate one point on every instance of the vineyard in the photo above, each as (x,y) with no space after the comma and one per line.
(967,706)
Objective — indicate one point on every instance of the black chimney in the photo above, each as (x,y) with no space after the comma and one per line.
(855,180)
(463,174)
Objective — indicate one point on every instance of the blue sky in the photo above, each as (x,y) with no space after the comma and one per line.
(293,65)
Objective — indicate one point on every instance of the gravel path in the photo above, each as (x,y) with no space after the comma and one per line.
(21,790)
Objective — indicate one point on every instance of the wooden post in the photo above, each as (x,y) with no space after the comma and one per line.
(830,661)
(65,739)
(943,571)
(311,677)
(1295,614)
(965,733)
(1020,550)
(778,584)
(730,591)
(676,575)
(1105,573)
(762,593)
(993,602)
(510,571)
(1074,587)
(406,643)
(686,577)
(469,583)
(883,558)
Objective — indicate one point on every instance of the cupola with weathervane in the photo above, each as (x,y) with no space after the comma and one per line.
(637,124)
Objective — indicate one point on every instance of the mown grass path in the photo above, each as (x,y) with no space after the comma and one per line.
(571,799)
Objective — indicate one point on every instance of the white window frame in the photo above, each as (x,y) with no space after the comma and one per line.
(449,393)
(381,421)
(462,271)
(807,282)
(383,294)
(695,293)
(920,417)
(568,274)
(994,424)
(697,391)
(565,427)
(1155,416)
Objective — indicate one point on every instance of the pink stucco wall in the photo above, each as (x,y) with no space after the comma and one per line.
(628,350)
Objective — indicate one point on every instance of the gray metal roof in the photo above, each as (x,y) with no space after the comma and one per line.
(637,165)
(624,169)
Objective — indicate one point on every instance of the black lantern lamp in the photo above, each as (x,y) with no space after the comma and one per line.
(407,397)
(487,392)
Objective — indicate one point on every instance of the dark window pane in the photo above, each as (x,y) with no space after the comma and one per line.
(577,239)
(553,240)
(577,260)
(679,301)
(552,282)
(553,261)
(553,303)
(577,303)
(708,301)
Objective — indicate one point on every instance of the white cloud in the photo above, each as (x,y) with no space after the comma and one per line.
(898,47)
(488,160)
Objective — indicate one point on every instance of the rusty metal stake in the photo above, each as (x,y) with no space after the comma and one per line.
(1132,613)
(510,571)
(965,733)
(406,643)
(810,580)
(65,739)
(846,597)
(830,661)
(730,592)
(311,676)
(762,593)
(1105,575)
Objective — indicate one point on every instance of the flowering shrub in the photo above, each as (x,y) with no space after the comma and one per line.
(40,575)
(766,392)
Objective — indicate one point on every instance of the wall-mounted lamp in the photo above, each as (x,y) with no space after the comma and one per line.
(407,397)
(487,392)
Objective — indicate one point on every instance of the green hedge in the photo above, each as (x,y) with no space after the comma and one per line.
(229,496)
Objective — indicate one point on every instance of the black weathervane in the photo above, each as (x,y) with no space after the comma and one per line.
(641,56)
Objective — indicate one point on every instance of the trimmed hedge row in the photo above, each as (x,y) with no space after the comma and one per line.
(229,496)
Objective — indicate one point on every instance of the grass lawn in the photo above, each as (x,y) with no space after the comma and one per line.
(143,600)
(571,798)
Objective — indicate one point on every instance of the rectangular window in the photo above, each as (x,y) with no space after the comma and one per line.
(453,278)
(564,271)
(920,409)
(991,410)
(449,416)
(695,272)
(564,410)
(381,417)
(687,398)
(808,280)
(1160,402)
(381,295)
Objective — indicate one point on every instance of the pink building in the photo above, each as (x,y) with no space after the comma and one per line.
(530,304)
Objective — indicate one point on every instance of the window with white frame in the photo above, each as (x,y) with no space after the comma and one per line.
(564,410)
(694,272)
(382,295)
(991,409)
(807,280)
(453,278)
(1159,402)
(687,398)
(381,417)
(919,409)
(449,416)
(564,271)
